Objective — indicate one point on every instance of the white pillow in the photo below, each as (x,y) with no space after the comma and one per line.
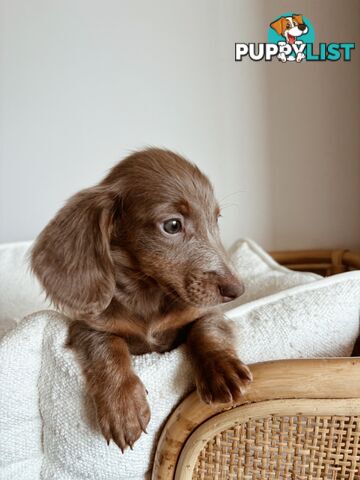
(20,292)
(45,428)
(261,274)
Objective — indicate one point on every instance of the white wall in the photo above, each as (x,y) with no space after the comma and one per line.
(84,82)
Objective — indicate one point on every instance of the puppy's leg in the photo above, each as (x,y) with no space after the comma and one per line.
(119,395)
(219,374)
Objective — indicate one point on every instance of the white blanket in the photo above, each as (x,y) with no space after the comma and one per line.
(47,420)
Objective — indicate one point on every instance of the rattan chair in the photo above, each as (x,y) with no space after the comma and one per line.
(299,420)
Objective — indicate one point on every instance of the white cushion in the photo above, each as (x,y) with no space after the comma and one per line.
(44,410)
(261,274)
(20,292)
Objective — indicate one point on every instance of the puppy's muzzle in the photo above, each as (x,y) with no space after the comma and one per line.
(302,27)
(230,289)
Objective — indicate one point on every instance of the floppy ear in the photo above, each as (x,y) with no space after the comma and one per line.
(299,19)
(278,26)
(71,257)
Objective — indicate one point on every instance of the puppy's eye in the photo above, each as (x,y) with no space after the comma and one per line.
(172,226)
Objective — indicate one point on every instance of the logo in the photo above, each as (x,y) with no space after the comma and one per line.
(291,39)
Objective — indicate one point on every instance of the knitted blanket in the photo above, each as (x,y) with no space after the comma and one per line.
(47,423)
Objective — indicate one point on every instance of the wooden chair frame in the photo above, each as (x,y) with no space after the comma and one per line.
(323,386)
(324,262)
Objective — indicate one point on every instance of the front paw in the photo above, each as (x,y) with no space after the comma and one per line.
(300,57)
(223,380)
(122,411)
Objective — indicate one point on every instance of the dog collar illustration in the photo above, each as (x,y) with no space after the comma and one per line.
(291,39)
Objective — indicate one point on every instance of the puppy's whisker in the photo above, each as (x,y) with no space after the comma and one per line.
(228,205)
(232,194)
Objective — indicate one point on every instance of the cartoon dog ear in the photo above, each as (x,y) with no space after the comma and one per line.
(71,257)
(278,25)
(298,18)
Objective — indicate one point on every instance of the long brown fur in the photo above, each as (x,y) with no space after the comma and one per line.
(133,288)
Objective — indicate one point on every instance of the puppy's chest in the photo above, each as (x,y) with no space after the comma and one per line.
(153,340)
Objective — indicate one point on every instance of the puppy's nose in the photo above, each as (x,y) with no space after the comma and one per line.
(231,290)
(302,26)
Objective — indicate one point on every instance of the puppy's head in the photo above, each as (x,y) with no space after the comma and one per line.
(290,27)
(155,214)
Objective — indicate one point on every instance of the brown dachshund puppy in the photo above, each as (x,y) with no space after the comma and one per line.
(137,262)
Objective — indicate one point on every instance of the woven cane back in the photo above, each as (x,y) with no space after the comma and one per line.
(299,420)
(287,446)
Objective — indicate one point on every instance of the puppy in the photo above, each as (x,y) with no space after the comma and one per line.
(291,28)
(137,263)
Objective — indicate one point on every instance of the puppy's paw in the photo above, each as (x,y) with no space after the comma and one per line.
(122,411)
(223,381)
(300,57)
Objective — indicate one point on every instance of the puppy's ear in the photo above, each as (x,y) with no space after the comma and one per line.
(71,257)
(299,19)
(278,26)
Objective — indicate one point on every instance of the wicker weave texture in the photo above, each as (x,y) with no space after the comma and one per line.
(285,448)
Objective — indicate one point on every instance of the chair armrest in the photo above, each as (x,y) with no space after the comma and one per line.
(301,386)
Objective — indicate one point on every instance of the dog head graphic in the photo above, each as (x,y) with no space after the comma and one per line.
(290,27)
